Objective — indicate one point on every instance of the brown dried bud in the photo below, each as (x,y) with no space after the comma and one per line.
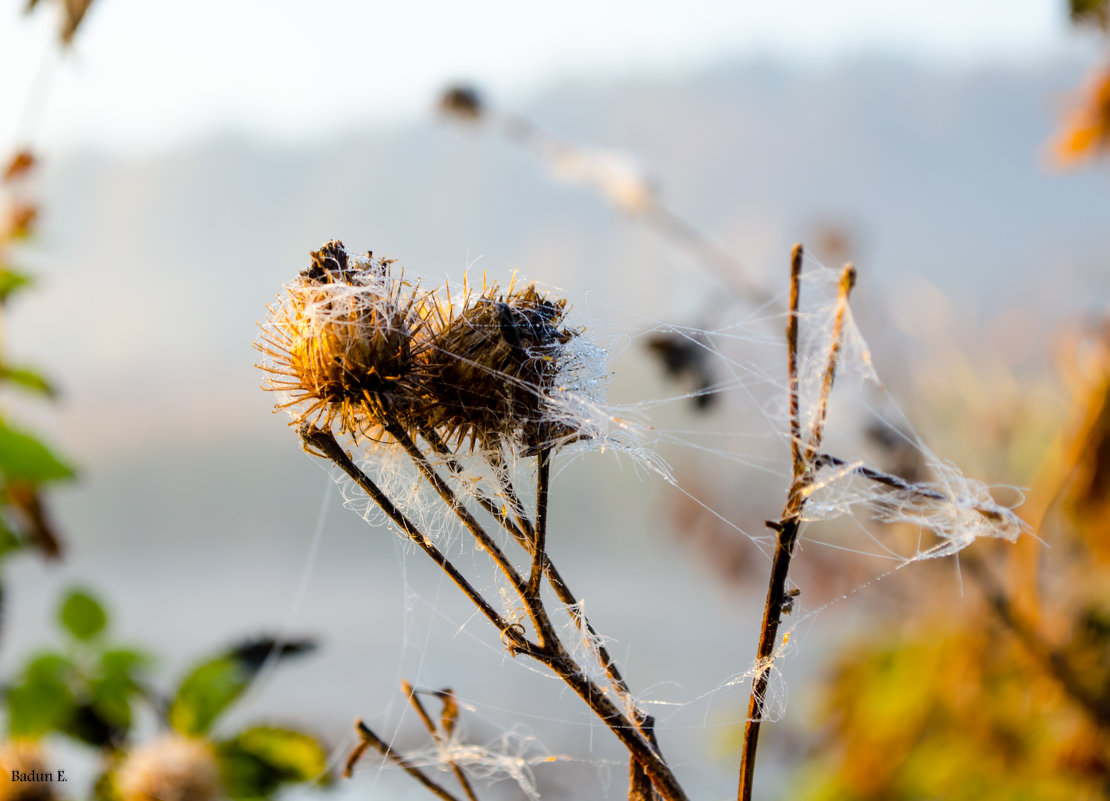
(463,102)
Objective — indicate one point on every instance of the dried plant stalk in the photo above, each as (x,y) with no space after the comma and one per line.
(788,526)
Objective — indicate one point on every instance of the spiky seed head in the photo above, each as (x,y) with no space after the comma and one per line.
(491,365)
(343,342)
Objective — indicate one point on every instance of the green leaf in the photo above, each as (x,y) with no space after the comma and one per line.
(257,762)
(28,379)
(42,700)
(82,615)
(9,540)
(244,777)
(24,458)
(12,281)
(293,755)
(123,663)
(206,692)
(213,685)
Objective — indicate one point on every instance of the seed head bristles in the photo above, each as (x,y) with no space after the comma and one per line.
(345,343)
(491,364)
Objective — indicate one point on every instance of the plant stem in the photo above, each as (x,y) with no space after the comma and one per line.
(371,740)
(550,653)
(792,360)
(440,738)
(539,538)
(325,445)
(789,525)
(447,495)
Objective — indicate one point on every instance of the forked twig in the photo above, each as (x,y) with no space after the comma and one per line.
(367,739)
(523,532)
(788,526)
(440,737)
(324,444)
(549,652)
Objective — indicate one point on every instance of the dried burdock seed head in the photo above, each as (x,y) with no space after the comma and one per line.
(491,368)
(463,102)
(344,342)
(173,768)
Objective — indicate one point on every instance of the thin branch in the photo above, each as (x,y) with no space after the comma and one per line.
(899,483)
(523,533)
(439,737)
(370,740)
(539,541)
(792,360)
(847,281)
(456,505)
(632,736)
(551,653)
(324,444)
(789,525)
(504,481)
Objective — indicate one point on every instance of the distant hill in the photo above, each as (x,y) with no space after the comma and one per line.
(157,268)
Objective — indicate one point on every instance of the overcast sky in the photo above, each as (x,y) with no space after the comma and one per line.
(148,74)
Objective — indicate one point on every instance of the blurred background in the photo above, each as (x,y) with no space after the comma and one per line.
(191,155)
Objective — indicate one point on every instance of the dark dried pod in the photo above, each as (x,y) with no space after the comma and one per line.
(463,102)
(491,368)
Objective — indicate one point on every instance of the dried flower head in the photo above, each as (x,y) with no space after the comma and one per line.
(173,768)
(23,772)
(463,102)
(344,342)
(491,366)
(353,344)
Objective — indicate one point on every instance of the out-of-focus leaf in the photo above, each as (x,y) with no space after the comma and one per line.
(36,530)
(1090,12)
(244,777)
(90,725)
(114,688)
(104,789)
(19,165)
(216,683)
(21,220)
(24,458)
(257,762)
(28,379)
(42,700)
(206,692)
(11,281)
(123,663)
(294,755)
(1087,133)
(9,542)
(253,653)
(73,13)
(82,615)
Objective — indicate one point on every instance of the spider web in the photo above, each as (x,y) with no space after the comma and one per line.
(856,506)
